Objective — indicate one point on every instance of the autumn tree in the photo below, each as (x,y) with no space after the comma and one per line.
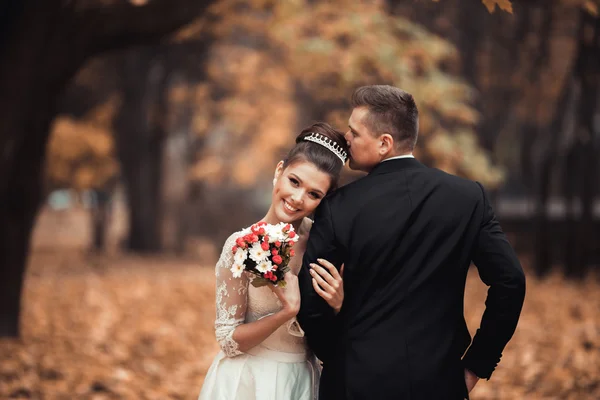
(43,45)
(279,70)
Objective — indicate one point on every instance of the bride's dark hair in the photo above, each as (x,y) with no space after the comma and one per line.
(323,158)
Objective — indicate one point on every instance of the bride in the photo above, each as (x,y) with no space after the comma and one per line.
(263,351)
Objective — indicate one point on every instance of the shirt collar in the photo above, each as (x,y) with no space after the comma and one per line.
(399,157)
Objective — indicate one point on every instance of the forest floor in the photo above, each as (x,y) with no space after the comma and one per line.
(126,327)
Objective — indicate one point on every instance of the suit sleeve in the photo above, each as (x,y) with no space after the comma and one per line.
(500,269)
(316,317)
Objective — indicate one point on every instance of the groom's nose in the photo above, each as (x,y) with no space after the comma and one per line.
(347,137)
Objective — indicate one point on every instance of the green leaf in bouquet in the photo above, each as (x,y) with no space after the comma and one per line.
(259,282)
(284,269)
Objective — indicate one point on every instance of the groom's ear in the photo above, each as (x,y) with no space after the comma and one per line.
(386,144)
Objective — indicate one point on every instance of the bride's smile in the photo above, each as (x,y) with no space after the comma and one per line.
(297,191)
(288,207)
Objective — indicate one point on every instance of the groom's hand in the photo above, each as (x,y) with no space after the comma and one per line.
(471,380)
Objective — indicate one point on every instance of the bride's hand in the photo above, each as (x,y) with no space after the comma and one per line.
(328,283)
(289,296)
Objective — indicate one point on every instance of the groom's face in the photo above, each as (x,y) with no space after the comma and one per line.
(363,144)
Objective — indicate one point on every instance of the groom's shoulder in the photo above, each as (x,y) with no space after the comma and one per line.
(350,188)
(457,183)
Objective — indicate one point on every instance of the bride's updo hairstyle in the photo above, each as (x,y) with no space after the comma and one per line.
(322,146)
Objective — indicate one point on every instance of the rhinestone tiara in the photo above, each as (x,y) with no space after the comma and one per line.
(329,144)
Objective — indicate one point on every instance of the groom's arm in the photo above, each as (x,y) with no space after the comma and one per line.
(316,317)
(500,269)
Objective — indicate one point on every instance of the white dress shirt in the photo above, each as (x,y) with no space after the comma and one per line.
(398,157)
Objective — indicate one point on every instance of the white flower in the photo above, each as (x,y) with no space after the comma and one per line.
(275,232)
(272,232)
(237,269)
(257,254)
(240,256)
(264,266)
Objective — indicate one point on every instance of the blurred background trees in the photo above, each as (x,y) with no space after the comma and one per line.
(188,129)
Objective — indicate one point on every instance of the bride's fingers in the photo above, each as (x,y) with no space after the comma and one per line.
(320,291)
(323,276)
(321,282)
(331,268)
(323,273)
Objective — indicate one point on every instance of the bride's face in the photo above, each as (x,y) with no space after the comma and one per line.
(298,190)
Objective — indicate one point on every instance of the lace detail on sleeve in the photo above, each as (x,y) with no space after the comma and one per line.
(232,300)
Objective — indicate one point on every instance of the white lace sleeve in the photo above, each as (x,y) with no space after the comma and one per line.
(232,299)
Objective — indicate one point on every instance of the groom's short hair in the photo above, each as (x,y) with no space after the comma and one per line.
(391,110)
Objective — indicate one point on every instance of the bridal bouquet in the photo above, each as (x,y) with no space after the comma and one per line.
(265,251)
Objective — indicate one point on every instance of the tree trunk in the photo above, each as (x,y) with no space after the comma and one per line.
(100,219)
(569,189)
(26,111)
(587,72)
(178,153)
(140,135)
(41,47)
(544,251)
(20,199)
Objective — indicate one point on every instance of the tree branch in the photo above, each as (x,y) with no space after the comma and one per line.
(121,24)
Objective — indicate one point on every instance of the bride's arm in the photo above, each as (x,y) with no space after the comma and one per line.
(234,335)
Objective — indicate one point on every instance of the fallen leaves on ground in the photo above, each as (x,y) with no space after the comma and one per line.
(142,328)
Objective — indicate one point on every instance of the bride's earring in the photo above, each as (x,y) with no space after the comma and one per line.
(274,181)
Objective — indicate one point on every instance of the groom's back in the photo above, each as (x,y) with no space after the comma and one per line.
(407,233)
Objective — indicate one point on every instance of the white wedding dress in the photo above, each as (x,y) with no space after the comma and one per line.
(281,367)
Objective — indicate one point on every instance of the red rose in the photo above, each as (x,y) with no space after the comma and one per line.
(274,252)
(266,238)
(265,246)
(261,231)
(254,238)
(239,242)
(292,253)
(292,234)
(286,227)
(278,243)
(234,249)
(277,259)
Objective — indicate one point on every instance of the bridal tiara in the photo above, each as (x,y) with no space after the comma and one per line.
(329,144)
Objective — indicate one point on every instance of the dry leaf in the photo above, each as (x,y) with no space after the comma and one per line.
(505,5)
(591,7)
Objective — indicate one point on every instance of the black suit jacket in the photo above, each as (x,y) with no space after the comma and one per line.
(407,235)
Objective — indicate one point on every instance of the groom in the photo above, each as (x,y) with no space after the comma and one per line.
(407,235)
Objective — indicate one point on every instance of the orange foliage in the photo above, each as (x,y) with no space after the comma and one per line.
(81,153)
(265,48)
